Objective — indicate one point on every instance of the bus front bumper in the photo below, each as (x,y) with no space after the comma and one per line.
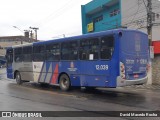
(123,82)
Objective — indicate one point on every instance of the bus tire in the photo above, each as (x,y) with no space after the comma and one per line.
(18,78)
(64,82)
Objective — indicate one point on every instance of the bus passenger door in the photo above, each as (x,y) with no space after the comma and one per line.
(9,57)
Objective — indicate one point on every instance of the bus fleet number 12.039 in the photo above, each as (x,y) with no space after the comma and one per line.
(101,67)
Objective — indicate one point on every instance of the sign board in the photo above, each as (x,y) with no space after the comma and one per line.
(90,27)
(152,52)
(149,37)
(156,45)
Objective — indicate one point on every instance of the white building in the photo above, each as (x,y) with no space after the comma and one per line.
(134,16)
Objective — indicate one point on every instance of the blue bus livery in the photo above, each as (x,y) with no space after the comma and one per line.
(105,59)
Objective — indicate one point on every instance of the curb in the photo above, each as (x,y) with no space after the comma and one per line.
(154,87)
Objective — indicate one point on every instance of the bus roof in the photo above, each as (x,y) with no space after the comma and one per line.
(88,35)
(79,37)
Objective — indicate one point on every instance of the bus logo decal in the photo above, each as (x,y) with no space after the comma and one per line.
(72,67)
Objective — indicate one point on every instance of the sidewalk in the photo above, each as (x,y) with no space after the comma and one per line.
(154,87)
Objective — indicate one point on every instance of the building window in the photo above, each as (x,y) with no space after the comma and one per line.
(114,12)
(98,19)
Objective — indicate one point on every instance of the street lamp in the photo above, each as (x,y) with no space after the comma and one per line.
(21,31)
(18,28)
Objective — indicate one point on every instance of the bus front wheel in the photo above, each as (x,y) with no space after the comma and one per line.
(64,82)
(18,78)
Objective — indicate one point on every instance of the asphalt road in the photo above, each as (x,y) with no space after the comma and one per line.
(34,97)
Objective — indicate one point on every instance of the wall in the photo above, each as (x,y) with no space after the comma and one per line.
(8,41)
(156,70)
(7,44)
(103,8)
(134,16)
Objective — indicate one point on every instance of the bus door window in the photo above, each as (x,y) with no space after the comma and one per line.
(9,57)
(89,49)
(70,50)
(107,47)
(39,53)
(53,52)
(18,54)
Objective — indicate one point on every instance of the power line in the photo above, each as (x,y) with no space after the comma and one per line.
(135,13)
(57,13)
(136,20)
(44,20)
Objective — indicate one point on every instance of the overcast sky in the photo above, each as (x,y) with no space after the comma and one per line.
(53,17)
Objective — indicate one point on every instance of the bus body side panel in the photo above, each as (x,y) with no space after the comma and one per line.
(95,73)
(27,71)
(81,73)
(9,68)
(47,72)
(114,71)
(72,69)
(37,70)
(86,73)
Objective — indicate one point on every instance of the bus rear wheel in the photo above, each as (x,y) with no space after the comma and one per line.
(18,78)
(64,82)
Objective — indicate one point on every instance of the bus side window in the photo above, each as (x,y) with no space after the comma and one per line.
(107,47)
(52,52)
(89,49)
(18,54)
(38,53)
(27,53)
(69,50)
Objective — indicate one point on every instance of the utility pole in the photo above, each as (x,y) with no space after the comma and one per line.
(149,21)
(149,31)
(35,29)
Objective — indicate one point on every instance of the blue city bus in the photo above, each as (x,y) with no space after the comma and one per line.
(105,59)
